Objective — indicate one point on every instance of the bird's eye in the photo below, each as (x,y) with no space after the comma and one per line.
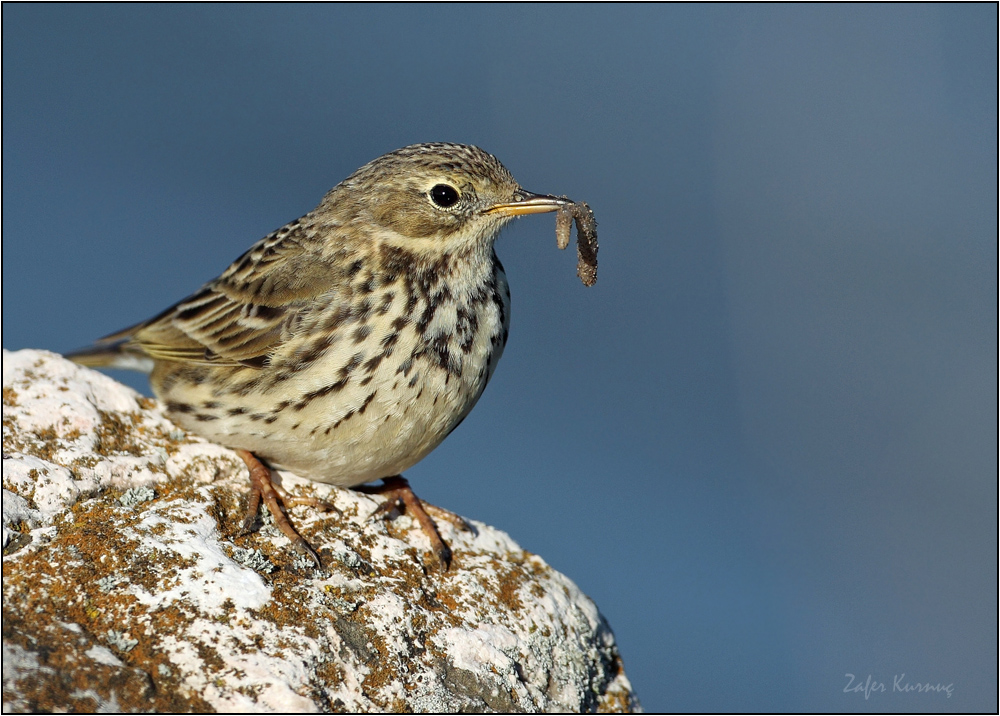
(444,195)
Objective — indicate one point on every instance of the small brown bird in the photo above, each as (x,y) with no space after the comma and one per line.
(348,344)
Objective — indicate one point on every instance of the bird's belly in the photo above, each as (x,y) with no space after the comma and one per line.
(387,429)
(343,418)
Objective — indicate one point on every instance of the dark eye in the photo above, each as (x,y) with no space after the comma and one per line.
(444,195)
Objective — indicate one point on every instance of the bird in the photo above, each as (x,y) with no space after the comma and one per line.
(348,344)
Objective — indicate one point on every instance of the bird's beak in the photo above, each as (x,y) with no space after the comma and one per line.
(527,203)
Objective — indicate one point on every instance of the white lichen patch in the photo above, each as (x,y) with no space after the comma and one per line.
(205,580)
(127,584)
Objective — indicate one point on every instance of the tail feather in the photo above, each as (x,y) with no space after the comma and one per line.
(114,354)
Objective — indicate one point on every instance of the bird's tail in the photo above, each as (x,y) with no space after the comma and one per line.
(115,351)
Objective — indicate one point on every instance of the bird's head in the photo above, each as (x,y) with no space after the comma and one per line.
(434,198)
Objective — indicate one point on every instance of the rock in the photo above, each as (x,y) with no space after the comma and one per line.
(126,587)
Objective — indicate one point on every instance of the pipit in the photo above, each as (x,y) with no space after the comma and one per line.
(349,343)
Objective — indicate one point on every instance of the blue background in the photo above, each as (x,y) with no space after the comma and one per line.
(765,443)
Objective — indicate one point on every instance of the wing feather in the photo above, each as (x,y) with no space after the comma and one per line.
(245,315)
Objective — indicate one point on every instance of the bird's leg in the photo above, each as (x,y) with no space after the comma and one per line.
(261,488)
(399,492)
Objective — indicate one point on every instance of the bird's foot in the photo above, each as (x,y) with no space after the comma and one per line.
(262,488)
(400,497)
(290,500)
(441,513)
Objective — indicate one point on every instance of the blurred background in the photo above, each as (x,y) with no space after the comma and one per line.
(765,442)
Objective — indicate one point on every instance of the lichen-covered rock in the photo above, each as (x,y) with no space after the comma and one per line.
(126,587)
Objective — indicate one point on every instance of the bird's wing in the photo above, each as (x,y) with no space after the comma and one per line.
(243,316)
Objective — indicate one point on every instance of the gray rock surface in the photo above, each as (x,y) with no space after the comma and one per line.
(126,588)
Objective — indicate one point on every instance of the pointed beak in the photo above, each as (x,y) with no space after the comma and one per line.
(527,203)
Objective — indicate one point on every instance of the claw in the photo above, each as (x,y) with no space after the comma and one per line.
(387,510)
